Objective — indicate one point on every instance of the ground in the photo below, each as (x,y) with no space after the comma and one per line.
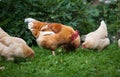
(82,63)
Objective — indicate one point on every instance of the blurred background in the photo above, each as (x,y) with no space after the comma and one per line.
(83,15)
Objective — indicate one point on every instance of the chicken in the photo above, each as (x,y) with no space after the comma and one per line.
(11,47)
(52,35)
(97,39)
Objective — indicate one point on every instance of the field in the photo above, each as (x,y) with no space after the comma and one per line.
(82,63)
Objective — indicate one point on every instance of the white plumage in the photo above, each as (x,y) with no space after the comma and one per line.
(97,39)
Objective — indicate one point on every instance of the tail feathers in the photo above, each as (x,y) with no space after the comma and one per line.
(102,28)
(28,20)
(103,25)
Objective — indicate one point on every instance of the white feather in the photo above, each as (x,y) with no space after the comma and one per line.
(28,20)
(30,25)
(44,27)
(42,33)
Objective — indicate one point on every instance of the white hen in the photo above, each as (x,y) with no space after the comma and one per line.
(97,39)
(11,47)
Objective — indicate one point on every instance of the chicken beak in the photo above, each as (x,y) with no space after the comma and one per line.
(30,55)
(83,46)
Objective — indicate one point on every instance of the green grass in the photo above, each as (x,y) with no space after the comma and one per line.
(82,63)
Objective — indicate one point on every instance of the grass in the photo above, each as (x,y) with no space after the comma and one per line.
(83,63)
